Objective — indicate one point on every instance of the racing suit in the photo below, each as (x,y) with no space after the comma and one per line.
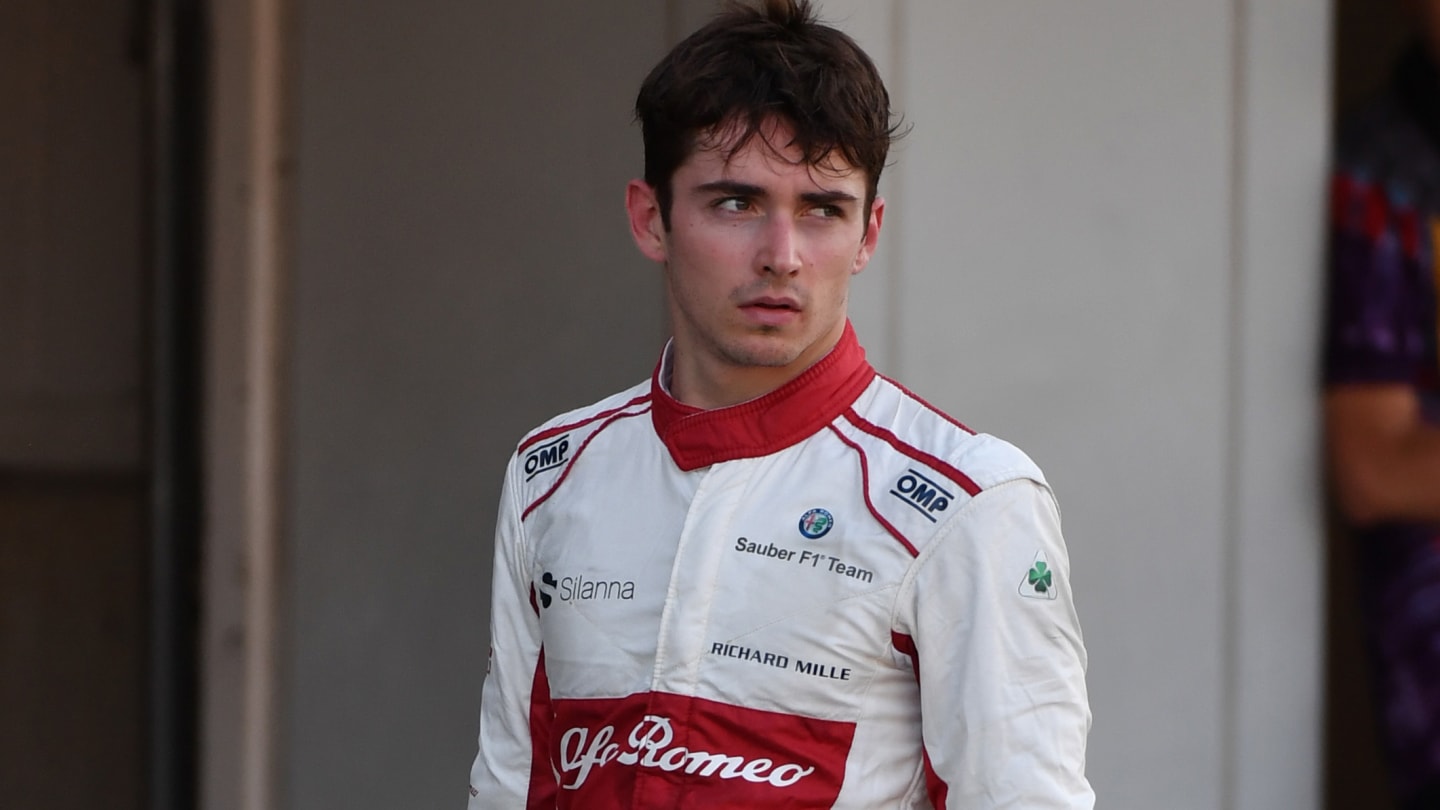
(830,596)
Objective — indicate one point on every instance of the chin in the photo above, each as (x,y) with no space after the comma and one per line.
(764,353)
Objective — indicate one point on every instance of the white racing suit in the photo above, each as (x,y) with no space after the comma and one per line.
(831,596)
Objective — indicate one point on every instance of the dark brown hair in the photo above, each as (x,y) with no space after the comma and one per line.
(750,65)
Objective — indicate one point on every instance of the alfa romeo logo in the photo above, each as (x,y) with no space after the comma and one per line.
(816,523)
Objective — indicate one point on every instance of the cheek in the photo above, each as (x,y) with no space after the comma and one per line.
(695,275)
(711,261)
(725,245)
(841,271)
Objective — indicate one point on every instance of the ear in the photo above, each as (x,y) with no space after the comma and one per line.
(646,226)
(872,235)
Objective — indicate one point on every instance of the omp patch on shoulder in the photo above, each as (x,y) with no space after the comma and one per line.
(547,456)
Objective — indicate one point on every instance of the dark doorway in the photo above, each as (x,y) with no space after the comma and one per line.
(98,497)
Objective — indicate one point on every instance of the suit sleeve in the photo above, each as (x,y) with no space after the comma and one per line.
(999,657)
(512,769)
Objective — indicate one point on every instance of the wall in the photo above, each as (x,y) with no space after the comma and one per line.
(1102,244)
(461,271)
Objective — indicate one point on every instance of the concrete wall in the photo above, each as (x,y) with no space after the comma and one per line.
(462,270)
(1102,244)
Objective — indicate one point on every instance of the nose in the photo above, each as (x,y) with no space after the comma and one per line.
(780,254)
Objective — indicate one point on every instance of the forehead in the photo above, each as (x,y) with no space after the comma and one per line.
(732,150)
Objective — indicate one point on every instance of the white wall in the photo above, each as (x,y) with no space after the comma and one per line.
(1102,243)
(1276,537)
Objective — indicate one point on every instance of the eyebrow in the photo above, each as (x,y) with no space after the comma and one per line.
(731,187)
(828,197)
(747,190)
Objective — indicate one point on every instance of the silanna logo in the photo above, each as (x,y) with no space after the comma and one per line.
(583,589)
(547,456)
(922,494)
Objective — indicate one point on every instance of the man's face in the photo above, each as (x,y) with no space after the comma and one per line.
(757,261)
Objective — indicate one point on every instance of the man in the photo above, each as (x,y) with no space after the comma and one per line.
(768,577)
(1382,399)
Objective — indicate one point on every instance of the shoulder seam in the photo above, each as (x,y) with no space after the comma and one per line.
(943,415)
(865,489)
(614,416)
(864,425)
(547,433)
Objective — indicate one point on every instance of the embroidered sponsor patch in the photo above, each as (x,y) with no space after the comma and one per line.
(922,494)
(547,456)
(1039,581)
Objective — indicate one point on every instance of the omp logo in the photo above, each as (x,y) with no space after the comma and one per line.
(922,494)
(582,589)
(547,456)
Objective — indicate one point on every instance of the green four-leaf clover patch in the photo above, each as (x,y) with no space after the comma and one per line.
(1040,577)
(1039,581)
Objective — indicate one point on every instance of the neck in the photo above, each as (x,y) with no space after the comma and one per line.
(725,386)
(705,381)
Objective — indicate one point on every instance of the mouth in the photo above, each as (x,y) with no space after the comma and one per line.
(771,312)
(776,304)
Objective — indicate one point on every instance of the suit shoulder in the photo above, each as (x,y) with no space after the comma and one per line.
(900,422)
(921,466)
(636,396)
(545,451)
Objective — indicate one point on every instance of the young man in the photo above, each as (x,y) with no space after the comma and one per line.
(1382,398)
(768,577)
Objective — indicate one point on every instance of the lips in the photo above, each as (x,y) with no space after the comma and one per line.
(767,302)
(771,311)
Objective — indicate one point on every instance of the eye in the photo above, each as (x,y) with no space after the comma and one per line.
(732,204)
(827,211)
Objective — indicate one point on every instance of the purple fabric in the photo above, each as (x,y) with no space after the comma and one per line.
(1381,328)
(1400,600)
(1381,314)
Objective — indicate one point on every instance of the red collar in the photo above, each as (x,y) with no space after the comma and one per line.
(698,438)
